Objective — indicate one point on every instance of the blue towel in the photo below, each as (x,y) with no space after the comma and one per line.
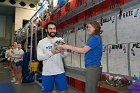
(6,88)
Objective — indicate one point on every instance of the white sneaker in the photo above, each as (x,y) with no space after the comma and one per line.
(13,80)
(5,67)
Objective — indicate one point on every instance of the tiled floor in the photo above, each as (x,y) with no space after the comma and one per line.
(5,77)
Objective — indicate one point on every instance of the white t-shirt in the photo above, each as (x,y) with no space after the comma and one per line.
(52,64)
(18,54)
(14,52)
(7,53)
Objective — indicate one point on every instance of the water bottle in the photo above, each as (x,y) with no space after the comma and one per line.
(139,78)
(134,78)
(35,77)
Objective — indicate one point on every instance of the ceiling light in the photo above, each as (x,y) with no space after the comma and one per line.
(22,3)
(32,5)
(12,2)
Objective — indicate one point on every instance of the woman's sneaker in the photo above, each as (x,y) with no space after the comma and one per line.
(13,80)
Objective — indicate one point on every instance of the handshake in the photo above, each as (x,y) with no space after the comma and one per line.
(57,47)
(60,46)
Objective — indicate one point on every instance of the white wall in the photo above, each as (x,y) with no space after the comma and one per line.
(2,26)
(6,40)
(21,14)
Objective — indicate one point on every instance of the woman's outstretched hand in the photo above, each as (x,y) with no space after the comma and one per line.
(64,46)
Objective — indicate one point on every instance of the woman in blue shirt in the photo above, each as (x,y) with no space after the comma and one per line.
(93,54)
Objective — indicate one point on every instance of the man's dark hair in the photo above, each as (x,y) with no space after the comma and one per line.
(51,22)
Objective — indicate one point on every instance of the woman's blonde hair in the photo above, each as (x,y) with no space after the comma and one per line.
(97,27)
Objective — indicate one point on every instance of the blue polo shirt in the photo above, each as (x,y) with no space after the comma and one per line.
(93,56)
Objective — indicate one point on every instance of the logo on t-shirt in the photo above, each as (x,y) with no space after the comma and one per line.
(49,47)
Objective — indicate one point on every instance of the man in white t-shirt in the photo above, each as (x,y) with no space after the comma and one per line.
(53,69)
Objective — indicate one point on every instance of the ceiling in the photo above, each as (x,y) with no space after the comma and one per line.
(27,2)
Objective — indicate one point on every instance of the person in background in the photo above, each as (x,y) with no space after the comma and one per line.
(7,56)
(53,69)
(93,55)
(18,64)
(12,58)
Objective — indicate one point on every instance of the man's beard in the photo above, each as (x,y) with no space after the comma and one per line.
(52,34)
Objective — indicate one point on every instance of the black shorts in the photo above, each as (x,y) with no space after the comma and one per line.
(19,63)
